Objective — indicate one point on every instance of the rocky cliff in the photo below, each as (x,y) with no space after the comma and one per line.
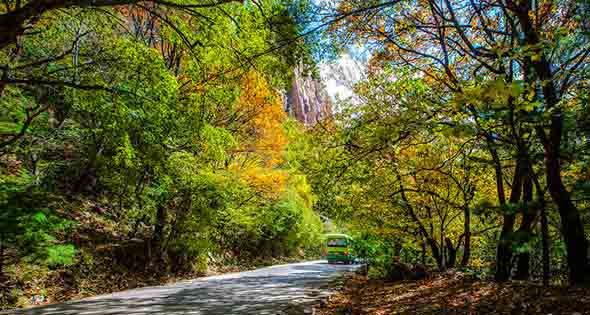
(307,101)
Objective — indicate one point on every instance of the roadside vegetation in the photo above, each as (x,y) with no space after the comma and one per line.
(146,140)
(467,144)
(140,142)
(462,158)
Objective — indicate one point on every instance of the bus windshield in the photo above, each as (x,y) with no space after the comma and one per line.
(338,242)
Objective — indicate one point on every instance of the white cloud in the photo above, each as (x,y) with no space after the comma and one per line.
(340,76)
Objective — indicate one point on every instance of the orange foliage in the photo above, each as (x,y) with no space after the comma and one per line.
(261,137)
(268,183)
(261,114)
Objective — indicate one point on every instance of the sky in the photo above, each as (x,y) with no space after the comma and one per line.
(340,75)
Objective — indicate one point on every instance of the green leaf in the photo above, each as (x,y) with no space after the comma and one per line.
(40,217)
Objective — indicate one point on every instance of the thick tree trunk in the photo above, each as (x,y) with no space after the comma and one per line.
(544,231)
(504,252)
(523,266)
(572,227)
(573,234)
(452,254)
(571,223)
(436,253)
(526,226)
(545,242)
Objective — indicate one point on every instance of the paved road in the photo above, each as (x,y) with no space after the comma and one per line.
(284,289)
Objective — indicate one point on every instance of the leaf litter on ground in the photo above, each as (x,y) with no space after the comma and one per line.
(452,293)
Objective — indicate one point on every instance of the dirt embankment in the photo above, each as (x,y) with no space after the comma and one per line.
(453,293)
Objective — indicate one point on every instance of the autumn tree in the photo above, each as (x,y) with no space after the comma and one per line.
(395,170)
(495,57)
(133,134)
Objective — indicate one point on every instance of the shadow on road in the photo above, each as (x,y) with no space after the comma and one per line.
(275,290)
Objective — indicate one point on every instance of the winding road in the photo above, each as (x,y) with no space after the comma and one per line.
(284,289)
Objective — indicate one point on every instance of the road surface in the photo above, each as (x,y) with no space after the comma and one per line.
(285,289)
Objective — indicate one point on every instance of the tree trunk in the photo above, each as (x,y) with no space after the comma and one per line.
(1,258)
(158,242)
(504,253)
(573,233)
(523,266)
(528,218)
(545,242)
(423,247)
(544,231)
(397,248)
(436,254)
(452,254)
(467,244)
(571,224)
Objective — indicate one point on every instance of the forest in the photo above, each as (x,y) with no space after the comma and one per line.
(468,141)
(144,141)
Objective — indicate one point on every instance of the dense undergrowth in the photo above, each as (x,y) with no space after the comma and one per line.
(78,249)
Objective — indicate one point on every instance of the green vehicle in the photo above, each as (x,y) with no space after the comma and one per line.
(339,248)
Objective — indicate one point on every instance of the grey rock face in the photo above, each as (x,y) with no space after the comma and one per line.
(307,101)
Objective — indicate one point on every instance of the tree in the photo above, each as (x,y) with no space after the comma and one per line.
(396,168)
(476,47)
(170,138)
